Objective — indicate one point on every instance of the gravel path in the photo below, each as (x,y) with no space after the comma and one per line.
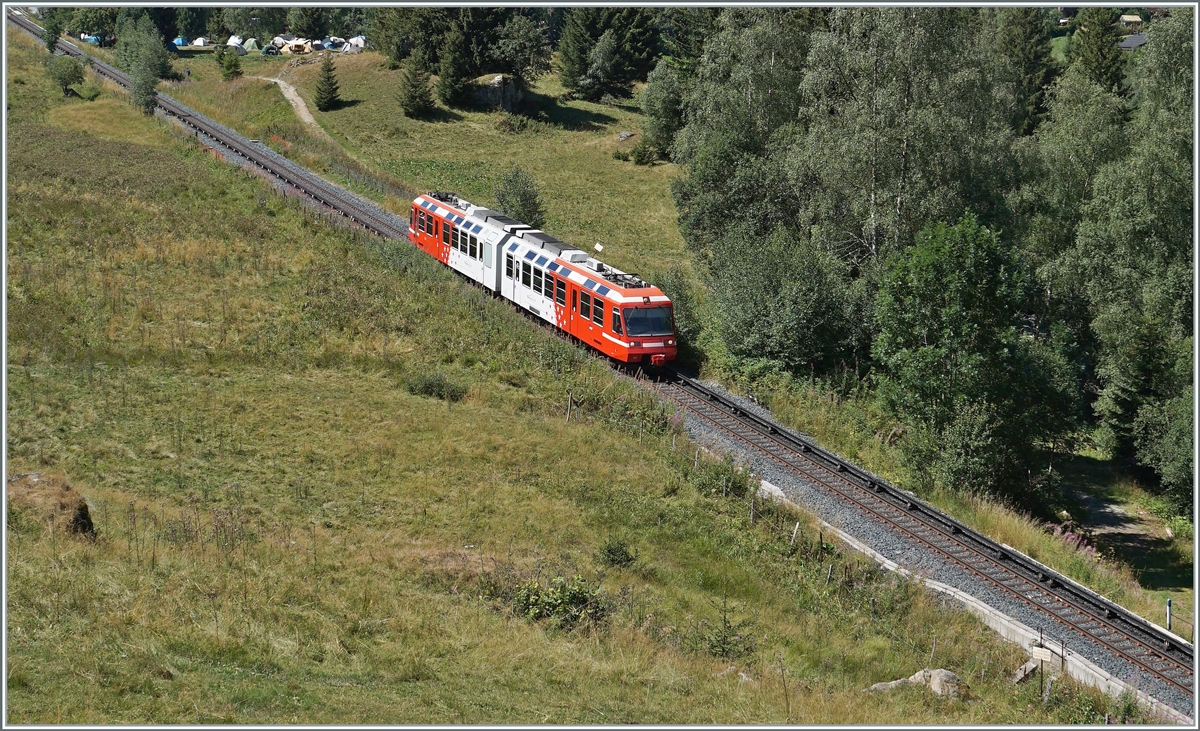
(920,559)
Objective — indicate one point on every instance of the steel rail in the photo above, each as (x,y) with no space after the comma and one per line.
(1107,624)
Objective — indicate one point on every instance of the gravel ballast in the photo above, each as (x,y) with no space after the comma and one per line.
(919,558)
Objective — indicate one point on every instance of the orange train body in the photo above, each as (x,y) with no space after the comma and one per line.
(616,313)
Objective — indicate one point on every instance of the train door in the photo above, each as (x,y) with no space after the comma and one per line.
(573,318)
(509,276)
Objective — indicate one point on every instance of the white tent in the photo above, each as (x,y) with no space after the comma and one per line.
(359,41)
(278,41)
(201,41)
(234,41)
(351,48)
(336,40)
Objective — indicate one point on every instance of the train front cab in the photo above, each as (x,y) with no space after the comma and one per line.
(649,330)
(627,332)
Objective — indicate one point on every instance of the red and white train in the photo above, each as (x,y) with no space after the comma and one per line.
(616,313)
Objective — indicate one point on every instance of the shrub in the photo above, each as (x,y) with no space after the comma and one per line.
(619,155)
(436,385)
(615,552)
(517,123)
(566,603)
(643,154)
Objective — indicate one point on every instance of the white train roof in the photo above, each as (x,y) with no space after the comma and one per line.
(540,248)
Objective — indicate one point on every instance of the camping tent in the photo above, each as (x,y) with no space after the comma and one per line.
(359,41)
(300,45)
(234,41)
(201,41)
(351,48)
(251,45)
(279,41)
(179,41)
(239,50)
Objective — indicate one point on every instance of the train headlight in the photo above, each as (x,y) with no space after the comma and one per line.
(671,341)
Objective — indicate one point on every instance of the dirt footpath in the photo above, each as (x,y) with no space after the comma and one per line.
(294,98)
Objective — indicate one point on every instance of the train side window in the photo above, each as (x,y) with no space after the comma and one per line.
(421,221)
(525,273)
(585,305)
(573,298)
(508,266)
(474,252)
(598,312)
(560,294)
(537,280)
(616,321)
(447,230)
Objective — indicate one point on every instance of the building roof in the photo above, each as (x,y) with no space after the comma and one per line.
(1134,41)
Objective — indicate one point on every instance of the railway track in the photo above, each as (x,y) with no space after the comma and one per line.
(1127,636)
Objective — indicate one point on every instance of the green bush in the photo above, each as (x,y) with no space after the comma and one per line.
(618,155)
(643,154)
(436,385)
(615,552)
(566,603)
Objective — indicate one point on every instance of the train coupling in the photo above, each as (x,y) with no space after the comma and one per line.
(658,359)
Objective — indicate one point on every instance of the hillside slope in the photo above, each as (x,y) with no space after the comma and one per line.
(332,483)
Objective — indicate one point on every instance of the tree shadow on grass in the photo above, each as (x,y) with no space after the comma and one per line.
(569,118)
(440,115)
(346,104)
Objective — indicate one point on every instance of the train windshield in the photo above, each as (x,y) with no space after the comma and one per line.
(648,321)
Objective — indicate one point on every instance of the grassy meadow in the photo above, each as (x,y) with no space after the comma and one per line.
(333,483)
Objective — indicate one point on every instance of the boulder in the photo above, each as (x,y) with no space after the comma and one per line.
(500,93)
(942,682)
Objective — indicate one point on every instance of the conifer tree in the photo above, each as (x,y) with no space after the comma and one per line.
(575,45)
(1023,42)
(637,44)
(454,75)
(1094,48)
(327,85)
(415,96)
(231,67)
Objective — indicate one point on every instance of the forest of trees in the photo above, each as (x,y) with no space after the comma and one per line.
(998,244)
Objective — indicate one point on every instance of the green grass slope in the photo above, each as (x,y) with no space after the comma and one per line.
(333,483)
